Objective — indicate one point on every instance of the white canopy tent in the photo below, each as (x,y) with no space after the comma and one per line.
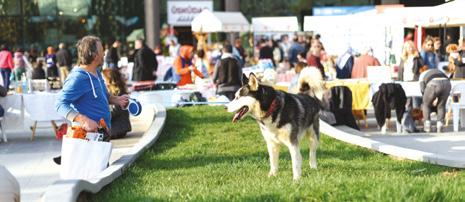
(208,22)
(275,24)
(454,11)
(441,16)
(358,32)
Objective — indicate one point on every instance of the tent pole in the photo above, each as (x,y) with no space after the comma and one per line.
(461,32)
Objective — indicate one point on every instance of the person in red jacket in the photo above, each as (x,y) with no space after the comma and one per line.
(6,65)
(314,56)
(184,66)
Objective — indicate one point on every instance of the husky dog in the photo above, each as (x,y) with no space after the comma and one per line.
(283,119)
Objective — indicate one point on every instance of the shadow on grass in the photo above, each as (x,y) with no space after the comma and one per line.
(170,136)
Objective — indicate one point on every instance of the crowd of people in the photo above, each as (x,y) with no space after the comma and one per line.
(222,63)
(225,62)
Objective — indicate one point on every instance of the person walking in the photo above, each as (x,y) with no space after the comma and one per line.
(64,61)
(112,57)
(228,74)
(51,60)
(145,62)
(6,65)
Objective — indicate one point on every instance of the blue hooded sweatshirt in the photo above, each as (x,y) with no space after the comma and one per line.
(86,94)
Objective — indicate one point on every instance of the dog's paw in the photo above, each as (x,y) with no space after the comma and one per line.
(313,166)
(296,178)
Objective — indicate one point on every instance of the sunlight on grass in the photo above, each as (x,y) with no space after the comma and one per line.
(202,156)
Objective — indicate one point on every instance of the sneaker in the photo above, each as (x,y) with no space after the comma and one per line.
(439,125)
(427,126)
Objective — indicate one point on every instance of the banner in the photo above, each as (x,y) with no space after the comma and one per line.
(181,13)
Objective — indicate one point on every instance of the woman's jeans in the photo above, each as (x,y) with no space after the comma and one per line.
(440,89)
(5,73)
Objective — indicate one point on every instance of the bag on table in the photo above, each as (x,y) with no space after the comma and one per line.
(82,159)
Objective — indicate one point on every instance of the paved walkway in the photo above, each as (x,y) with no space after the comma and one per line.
(31,161)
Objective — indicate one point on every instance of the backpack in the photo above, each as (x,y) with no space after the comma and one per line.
(175,76)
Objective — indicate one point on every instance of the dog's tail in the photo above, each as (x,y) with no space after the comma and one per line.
(311,82)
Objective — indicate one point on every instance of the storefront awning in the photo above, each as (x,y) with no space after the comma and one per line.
(208,22)
(275,24)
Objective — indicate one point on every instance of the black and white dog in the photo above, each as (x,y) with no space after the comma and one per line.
(283,118)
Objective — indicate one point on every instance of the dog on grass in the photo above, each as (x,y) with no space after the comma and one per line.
(284,119)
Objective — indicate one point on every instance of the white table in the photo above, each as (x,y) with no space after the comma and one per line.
(24,110)
(167,98)
(40,107)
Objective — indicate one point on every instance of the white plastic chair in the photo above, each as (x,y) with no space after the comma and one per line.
(458,89)
(3,130)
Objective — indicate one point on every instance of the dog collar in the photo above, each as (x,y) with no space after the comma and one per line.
(273,106)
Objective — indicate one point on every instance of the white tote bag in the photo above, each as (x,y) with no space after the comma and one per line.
(82,159)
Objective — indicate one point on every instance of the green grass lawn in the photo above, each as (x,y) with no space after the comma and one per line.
(202,156)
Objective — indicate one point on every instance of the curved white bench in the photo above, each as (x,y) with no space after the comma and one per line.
(69,190)
(399,145)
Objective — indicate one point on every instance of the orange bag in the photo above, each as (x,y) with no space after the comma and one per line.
(77,132)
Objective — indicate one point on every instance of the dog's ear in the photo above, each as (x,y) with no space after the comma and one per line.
(253,82)
(245,80)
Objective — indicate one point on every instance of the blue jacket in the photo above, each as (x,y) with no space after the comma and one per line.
(86,94)
(430,59)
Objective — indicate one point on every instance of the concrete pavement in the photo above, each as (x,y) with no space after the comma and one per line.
(31,161)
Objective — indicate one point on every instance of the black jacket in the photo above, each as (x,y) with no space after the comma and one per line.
(417,64)
(340,104)
(389,96)
(112,56)
(228,75)
(145,63)
(38,73)
(64,58)
(266,52)
(120,122)
(345,72)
